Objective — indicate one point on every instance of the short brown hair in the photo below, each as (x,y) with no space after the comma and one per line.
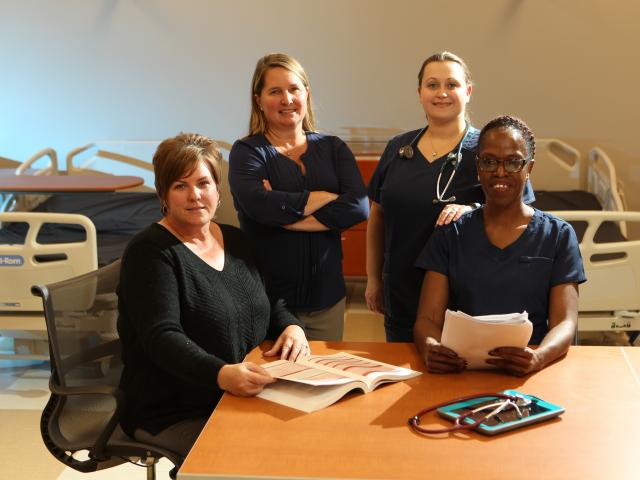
(257,122)
(178,156)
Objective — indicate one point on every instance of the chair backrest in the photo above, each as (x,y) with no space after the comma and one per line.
(83,411)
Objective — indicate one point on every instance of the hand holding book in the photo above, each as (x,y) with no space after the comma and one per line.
(316,381)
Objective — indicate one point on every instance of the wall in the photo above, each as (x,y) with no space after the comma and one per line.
(76,70)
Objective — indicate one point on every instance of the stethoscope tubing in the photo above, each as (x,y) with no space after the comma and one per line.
(459,424)
(406,151)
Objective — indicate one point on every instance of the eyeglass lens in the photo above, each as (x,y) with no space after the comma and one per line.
(511,165)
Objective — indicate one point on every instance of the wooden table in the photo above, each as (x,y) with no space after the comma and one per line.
(366,436)
(66,183)
(633,356)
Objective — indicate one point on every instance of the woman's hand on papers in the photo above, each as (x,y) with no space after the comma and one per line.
(243,379)
(440,359)
(292,343)
(517,361)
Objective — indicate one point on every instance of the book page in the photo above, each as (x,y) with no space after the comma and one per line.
(473,337)
(317,381)
(307,398)
(372,372)
(303,373)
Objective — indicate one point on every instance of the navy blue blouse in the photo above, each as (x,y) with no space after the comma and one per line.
(303,268)
(486,280)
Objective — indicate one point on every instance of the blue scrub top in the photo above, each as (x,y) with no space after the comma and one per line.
(405,188)
(485,280)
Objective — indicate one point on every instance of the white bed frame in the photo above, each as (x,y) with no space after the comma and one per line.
(22,266)
(610,299)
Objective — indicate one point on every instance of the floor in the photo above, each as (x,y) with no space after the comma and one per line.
(24,393)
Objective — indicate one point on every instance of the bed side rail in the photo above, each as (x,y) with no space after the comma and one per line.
(24,265)
(50,169)
(557,166)
(120,157)
(612,269)
(602,181)
(25,203)
(98,159)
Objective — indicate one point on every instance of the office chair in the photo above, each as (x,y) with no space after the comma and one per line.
(79,424)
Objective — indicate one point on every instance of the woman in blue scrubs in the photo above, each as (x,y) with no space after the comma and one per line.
(425,178)
(504,257)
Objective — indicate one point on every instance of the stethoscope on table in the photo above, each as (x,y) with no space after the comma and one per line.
(503,402)
(452,159)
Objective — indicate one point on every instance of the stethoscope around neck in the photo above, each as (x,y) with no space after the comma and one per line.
(452,159)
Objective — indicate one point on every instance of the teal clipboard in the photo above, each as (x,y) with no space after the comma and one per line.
(537,411)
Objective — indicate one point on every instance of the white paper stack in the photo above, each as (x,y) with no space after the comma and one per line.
(473,337)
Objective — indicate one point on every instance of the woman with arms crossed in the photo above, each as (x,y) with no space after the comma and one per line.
(295,191)
(425,178)
(191,305)
(505,257)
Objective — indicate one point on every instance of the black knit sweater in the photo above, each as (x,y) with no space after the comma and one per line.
(180,321)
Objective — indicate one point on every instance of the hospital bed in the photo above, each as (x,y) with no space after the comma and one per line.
(113,218)
(589,196)
(44,162)
(34,260)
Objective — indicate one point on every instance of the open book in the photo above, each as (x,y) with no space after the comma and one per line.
(316,381)
(473,338)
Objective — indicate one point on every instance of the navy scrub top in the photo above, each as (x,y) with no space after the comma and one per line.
(405,188)
(303,268)
(486,280)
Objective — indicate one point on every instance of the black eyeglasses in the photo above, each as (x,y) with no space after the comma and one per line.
(510,165)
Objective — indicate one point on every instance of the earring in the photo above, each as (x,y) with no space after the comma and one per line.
(164,208)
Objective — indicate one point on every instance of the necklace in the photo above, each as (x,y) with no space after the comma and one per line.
(434,152)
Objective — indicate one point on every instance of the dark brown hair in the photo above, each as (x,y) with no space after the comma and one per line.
(177,157)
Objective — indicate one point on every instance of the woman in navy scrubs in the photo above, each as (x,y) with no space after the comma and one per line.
(504,257)
(425,178)
(295,191)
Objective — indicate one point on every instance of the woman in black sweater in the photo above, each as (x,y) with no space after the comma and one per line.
(192,304)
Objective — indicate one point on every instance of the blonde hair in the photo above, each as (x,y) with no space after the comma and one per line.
(445,57)
(178,156)
(258,122)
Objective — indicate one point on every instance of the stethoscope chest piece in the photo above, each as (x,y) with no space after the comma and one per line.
(406,151)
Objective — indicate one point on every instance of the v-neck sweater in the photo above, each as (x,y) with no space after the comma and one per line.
(180,321)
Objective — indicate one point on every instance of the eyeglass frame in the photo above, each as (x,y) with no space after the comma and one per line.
(524,161)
